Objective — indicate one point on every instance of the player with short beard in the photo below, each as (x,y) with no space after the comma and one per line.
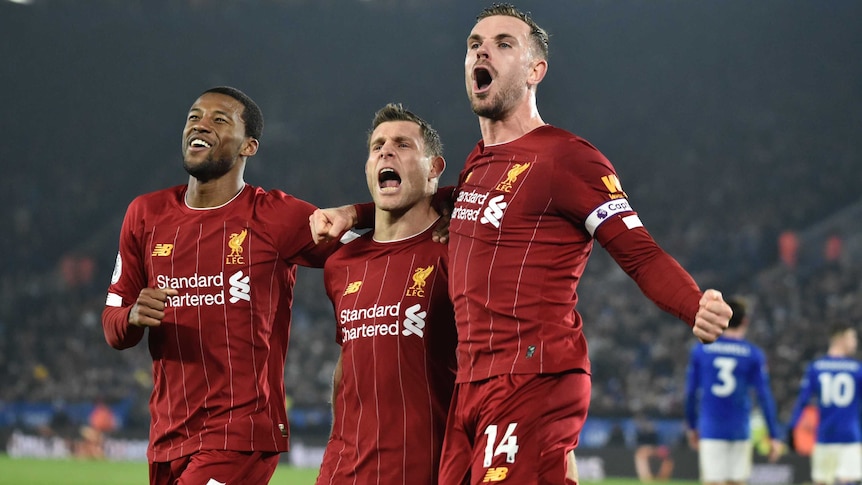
(219,340)
(523,384)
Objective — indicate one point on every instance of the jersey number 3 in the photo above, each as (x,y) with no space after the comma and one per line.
(727,381)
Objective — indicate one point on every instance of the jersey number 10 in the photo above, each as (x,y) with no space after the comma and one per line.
(836,389)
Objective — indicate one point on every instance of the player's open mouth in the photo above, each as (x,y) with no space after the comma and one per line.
(388,180)
(198,143)
(482,79)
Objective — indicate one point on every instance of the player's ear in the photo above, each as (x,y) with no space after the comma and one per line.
(538,69)
(250,147)
(438,164)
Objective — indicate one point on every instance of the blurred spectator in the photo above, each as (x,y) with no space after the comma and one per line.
(833,249)
(804,435)
(101,422)
(652,458)
(788,248)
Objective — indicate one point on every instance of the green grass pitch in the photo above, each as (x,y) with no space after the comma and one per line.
(88,472)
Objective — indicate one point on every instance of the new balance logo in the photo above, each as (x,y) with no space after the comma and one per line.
(352,287)
(414,323)
(494,212)
(163,249)
(497,474)
(239,287)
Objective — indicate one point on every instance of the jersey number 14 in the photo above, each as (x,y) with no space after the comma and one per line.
(508,444)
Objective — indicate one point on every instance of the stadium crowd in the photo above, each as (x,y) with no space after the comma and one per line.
(720,210)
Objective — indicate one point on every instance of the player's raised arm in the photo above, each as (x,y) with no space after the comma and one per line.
(329,224)
(712,316)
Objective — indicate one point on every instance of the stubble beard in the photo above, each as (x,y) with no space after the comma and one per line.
(209,169)
(493,111)
(500,104)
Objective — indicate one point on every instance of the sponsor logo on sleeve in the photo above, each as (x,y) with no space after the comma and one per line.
(118,269)
(615,188)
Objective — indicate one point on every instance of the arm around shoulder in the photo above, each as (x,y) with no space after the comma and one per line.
(330,223)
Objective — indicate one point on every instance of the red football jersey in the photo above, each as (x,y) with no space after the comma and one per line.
(218,356)
(396,328)
(521,233)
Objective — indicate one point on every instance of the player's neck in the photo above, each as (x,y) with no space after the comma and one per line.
(213,193)
(515,124)
(395,226)
(836,352)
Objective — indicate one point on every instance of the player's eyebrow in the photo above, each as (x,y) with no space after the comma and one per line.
(498,37)
(397,139)
(225,114)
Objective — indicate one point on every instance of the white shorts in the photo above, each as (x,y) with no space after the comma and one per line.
(836,461)
(724,461)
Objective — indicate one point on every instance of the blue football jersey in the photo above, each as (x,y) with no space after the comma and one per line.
(719,381)
(835,382)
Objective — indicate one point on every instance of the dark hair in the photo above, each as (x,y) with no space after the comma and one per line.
(739,308)
(396,112)
(252,117)
(538,34)
(837,329)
